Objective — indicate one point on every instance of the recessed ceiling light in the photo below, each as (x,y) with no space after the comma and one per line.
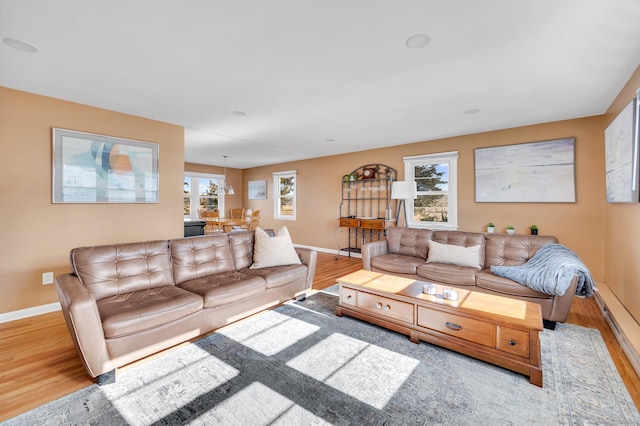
(418,41)
(239,113)
(472,111)
(20,45)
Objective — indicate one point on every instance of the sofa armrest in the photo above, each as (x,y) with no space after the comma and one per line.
(310,258)
(562,304)
(371,250)
(83,321)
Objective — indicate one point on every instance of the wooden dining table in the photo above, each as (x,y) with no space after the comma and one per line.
(227,224)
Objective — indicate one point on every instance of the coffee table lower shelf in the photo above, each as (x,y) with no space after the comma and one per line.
(511,344)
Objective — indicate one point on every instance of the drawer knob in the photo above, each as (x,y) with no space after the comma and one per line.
(512,342)
(453,326)
(387,308)
(378,305)
(348,296)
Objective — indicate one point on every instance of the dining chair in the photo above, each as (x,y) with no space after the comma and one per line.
(212,220)
(255,220)
(246,219)
(236,213)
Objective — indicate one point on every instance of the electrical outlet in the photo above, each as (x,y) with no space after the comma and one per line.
(47,278)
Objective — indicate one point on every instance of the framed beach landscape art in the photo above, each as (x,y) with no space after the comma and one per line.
(89,168)
(534,172)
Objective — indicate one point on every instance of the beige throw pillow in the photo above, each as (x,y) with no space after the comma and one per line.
(455,255)
(273,251)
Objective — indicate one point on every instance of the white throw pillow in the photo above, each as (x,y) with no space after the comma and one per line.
(273,251)
(455,255)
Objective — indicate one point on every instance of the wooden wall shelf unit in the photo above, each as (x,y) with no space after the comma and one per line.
(366,204)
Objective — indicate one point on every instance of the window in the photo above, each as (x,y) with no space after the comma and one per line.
(284,184)
(435,205)
(201,191)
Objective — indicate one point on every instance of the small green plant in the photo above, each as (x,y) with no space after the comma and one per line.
(533,227)
(491,225)
(510,227)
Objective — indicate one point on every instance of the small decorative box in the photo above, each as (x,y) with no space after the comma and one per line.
(450,294)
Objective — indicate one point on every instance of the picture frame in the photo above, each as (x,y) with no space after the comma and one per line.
(92,168)
(621,155)
(257,190)
(532,172)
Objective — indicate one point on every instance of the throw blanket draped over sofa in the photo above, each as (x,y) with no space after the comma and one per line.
(550,271)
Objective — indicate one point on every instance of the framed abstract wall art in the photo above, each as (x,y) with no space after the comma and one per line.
(534,172)
(89,168)
(621,155)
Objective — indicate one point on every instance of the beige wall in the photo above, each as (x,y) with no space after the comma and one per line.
(36,234)
(622,228)
(578,225)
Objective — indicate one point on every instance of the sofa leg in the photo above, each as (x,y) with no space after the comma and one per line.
(107,378)
(551,325)
(302,297)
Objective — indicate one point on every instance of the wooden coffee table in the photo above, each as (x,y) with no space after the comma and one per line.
(499,330)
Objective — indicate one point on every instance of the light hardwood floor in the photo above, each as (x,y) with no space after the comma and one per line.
(38,362)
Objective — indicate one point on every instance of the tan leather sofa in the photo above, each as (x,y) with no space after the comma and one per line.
(405,251)
(123,302)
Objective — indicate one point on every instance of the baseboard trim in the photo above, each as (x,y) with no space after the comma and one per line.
(625,328)
(30,312)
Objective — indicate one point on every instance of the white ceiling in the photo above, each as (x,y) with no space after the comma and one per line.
(317,78)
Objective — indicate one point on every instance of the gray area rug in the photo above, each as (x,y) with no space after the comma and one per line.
(300,364)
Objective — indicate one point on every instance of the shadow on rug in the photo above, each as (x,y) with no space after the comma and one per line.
(300,364)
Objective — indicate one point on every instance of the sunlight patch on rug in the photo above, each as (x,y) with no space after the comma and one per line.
(165,381)
(257,404)
(366,372)
(270,333)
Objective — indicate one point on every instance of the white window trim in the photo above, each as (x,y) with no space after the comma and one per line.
(195,200)
(276,194)
(409,174)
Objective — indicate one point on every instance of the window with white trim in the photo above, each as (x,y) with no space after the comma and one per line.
(436,202)
(202,192)
(284,204)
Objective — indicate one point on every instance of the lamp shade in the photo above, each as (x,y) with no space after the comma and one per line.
(403,190)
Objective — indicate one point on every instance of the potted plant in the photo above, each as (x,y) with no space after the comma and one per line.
(491,227)
(534,229)
(511,230)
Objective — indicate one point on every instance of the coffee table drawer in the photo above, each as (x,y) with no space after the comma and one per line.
(348,296)
(513,341)
(461,327)
(395,309)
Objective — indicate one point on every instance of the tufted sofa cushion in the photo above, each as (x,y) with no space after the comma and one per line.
(513,250)
(409,241)
(397,263)
(200,257)
(242,248)
(130,313)
(122,268)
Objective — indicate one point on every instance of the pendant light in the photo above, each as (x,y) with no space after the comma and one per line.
(228,189)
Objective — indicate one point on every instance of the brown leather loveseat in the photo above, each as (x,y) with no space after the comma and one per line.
(405,251)
(123,302)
